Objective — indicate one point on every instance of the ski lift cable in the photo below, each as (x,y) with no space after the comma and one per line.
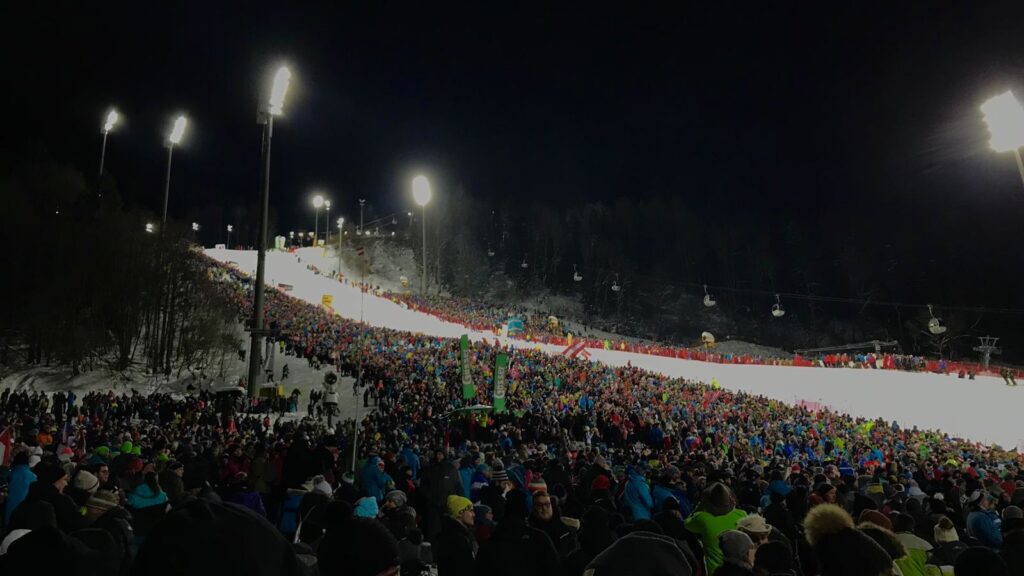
(817,298)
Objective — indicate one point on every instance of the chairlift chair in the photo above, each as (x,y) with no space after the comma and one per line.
(934,324)
(615,284)
(777,310)
(709,301)
(524,264)
(576,275)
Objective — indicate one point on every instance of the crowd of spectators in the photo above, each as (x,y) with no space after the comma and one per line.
(591,470)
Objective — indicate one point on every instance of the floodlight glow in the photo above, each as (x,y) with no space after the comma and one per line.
(231,228)
(178,131)
(149,227)
(282,79)
(1005,118)
(341,221)
(195,226)
(112,117)
(421,190)
(318,201)
(327,204)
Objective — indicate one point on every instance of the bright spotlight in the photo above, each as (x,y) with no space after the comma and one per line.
(282,79)
(421,190)
(318,201)
(112,117)
(179,130)
(1005,118)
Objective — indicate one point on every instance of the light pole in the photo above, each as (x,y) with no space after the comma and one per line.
(341,223)
(195,232)
(177,131)
(1005,118)
(108,125)
(227,244)
(318,203)
(265,116)
(421,194)
(327,222)
(361,202)
(291,238)
(174,139)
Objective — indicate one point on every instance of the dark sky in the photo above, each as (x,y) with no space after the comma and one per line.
(823,112)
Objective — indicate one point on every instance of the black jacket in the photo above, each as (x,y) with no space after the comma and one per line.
(438,482)
(516,549)
(69,516)
(454,549)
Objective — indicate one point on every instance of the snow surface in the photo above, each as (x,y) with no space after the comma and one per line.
(984,409)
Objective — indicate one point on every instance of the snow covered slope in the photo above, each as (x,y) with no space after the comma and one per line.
(983,410)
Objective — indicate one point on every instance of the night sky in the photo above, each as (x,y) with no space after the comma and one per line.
(826,114)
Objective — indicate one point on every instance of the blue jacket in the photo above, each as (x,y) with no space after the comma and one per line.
(375,480)
(144,497)
(985,526)
(411,460)
(17,489)
(466,476)
(638,496)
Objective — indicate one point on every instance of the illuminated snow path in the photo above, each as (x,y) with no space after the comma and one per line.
(984,409)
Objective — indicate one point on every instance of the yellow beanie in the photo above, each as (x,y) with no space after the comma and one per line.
(457,504)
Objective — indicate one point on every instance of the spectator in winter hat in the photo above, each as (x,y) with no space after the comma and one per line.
(456,544)
(84,485)
(755,526)
(1013,519)
(980,561)
(49,488)
(366,508)
(773,559)
(716,513)
(982,522)
(840,548)
(875,517)
(737,554)
(947,543)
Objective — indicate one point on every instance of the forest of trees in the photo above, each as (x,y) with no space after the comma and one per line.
(86,287)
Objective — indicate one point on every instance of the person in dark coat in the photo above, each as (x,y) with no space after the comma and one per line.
(642,553)
(595,536)
(203,538)
(47,550)
(49,488)
(456,545)
(516,549)
(357,547)
(546,517)
(437,483)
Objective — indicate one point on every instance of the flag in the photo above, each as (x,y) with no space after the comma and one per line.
(500,367)
(468,390)
(5,447)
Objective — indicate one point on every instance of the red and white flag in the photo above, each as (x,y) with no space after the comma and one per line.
(5,446)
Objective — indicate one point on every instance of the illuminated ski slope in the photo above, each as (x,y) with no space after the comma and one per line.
(984,409)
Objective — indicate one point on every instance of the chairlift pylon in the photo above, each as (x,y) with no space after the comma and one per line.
(777,310)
